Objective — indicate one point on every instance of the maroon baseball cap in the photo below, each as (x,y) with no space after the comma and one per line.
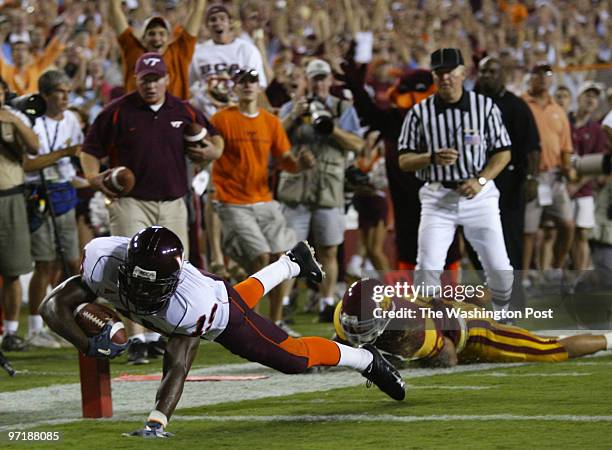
(151,63)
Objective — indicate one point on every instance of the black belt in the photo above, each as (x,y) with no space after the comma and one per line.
(451,184)
(12,191)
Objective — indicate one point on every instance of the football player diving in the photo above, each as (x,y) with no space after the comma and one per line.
(148,281)
(447,341)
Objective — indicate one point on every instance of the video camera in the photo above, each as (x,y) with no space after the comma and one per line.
(321,118)
(597,164)
(32,105)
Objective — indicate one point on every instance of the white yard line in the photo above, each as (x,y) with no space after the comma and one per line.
(34,407)
(535,374)
(392,418)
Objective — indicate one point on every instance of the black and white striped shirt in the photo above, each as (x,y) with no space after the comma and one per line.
(473,126)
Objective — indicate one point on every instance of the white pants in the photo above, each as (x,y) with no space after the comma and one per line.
(442,210)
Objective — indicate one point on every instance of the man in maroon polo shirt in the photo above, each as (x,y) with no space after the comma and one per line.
(588,137)
(143,131)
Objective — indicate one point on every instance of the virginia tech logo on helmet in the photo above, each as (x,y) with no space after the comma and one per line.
(150,275)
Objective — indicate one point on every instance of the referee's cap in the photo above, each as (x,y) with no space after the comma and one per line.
(446,58)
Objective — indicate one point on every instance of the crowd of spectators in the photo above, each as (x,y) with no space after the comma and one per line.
(322,82)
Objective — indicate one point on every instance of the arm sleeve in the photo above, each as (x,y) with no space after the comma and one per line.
(101,134)
(432,343)
(497,135)
(410,138)
(185,45)
(349,121)
(285,110)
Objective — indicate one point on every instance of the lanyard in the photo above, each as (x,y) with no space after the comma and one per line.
(51,144)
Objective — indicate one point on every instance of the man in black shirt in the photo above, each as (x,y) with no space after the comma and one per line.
(517,182)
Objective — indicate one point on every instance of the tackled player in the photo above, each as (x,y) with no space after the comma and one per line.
(148,281)
(445,340)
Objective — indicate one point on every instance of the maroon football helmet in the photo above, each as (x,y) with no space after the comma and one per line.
(150,275)
(362,308)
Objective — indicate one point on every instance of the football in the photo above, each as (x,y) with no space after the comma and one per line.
(120,180)
(92,317)
(194,133)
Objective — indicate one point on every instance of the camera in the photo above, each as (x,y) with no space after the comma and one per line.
(596,164)
(321,118)
(32,105)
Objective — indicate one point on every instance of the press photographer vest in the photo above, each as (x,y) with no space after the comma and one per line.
(323,185)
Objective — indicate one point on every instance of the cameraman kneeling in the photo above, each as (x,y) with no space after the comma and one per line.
(313,200)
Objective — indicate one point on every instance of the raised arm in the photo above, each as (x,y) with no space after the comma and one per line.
(117,19)
(195,18)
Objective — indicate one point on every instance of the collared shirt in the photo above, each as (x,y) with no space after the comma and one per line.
(554,129)
(149,142)
(473,126)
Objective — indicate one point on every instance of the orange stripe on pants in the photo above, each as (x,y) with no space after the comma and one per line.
(251,290)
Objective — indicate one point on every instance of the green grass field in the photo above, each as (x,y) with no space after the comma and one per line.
(565,405)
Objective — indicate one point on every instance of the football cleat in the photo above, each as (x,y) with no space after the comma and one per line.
(381,373)
(138,352)
(303,255)
(151,430)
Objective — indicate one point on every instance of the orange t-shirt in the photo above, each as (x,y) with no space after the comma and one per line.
(241,174)
(554,129)
(177,58)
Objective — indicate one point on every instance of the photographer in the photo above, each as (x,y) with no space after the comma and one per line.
(16,138)
(326,126)
(54,237)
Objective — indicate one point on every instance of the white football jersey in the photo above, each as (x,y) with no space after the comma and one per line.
(199,307)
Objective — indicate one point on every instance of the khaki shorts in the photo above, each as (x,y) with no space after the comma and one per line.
(326,225)
(253,230)
(128,216)
(43,239)
(15,257)
(561,208)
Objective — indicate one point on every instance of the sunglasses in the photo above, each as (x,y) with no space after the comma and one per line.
(246,76)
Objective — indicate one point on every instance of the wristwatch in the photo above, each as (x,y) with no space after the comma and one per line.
(482,181)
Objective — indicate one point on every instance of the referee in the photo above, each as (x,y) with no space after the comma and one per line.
(457,143)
